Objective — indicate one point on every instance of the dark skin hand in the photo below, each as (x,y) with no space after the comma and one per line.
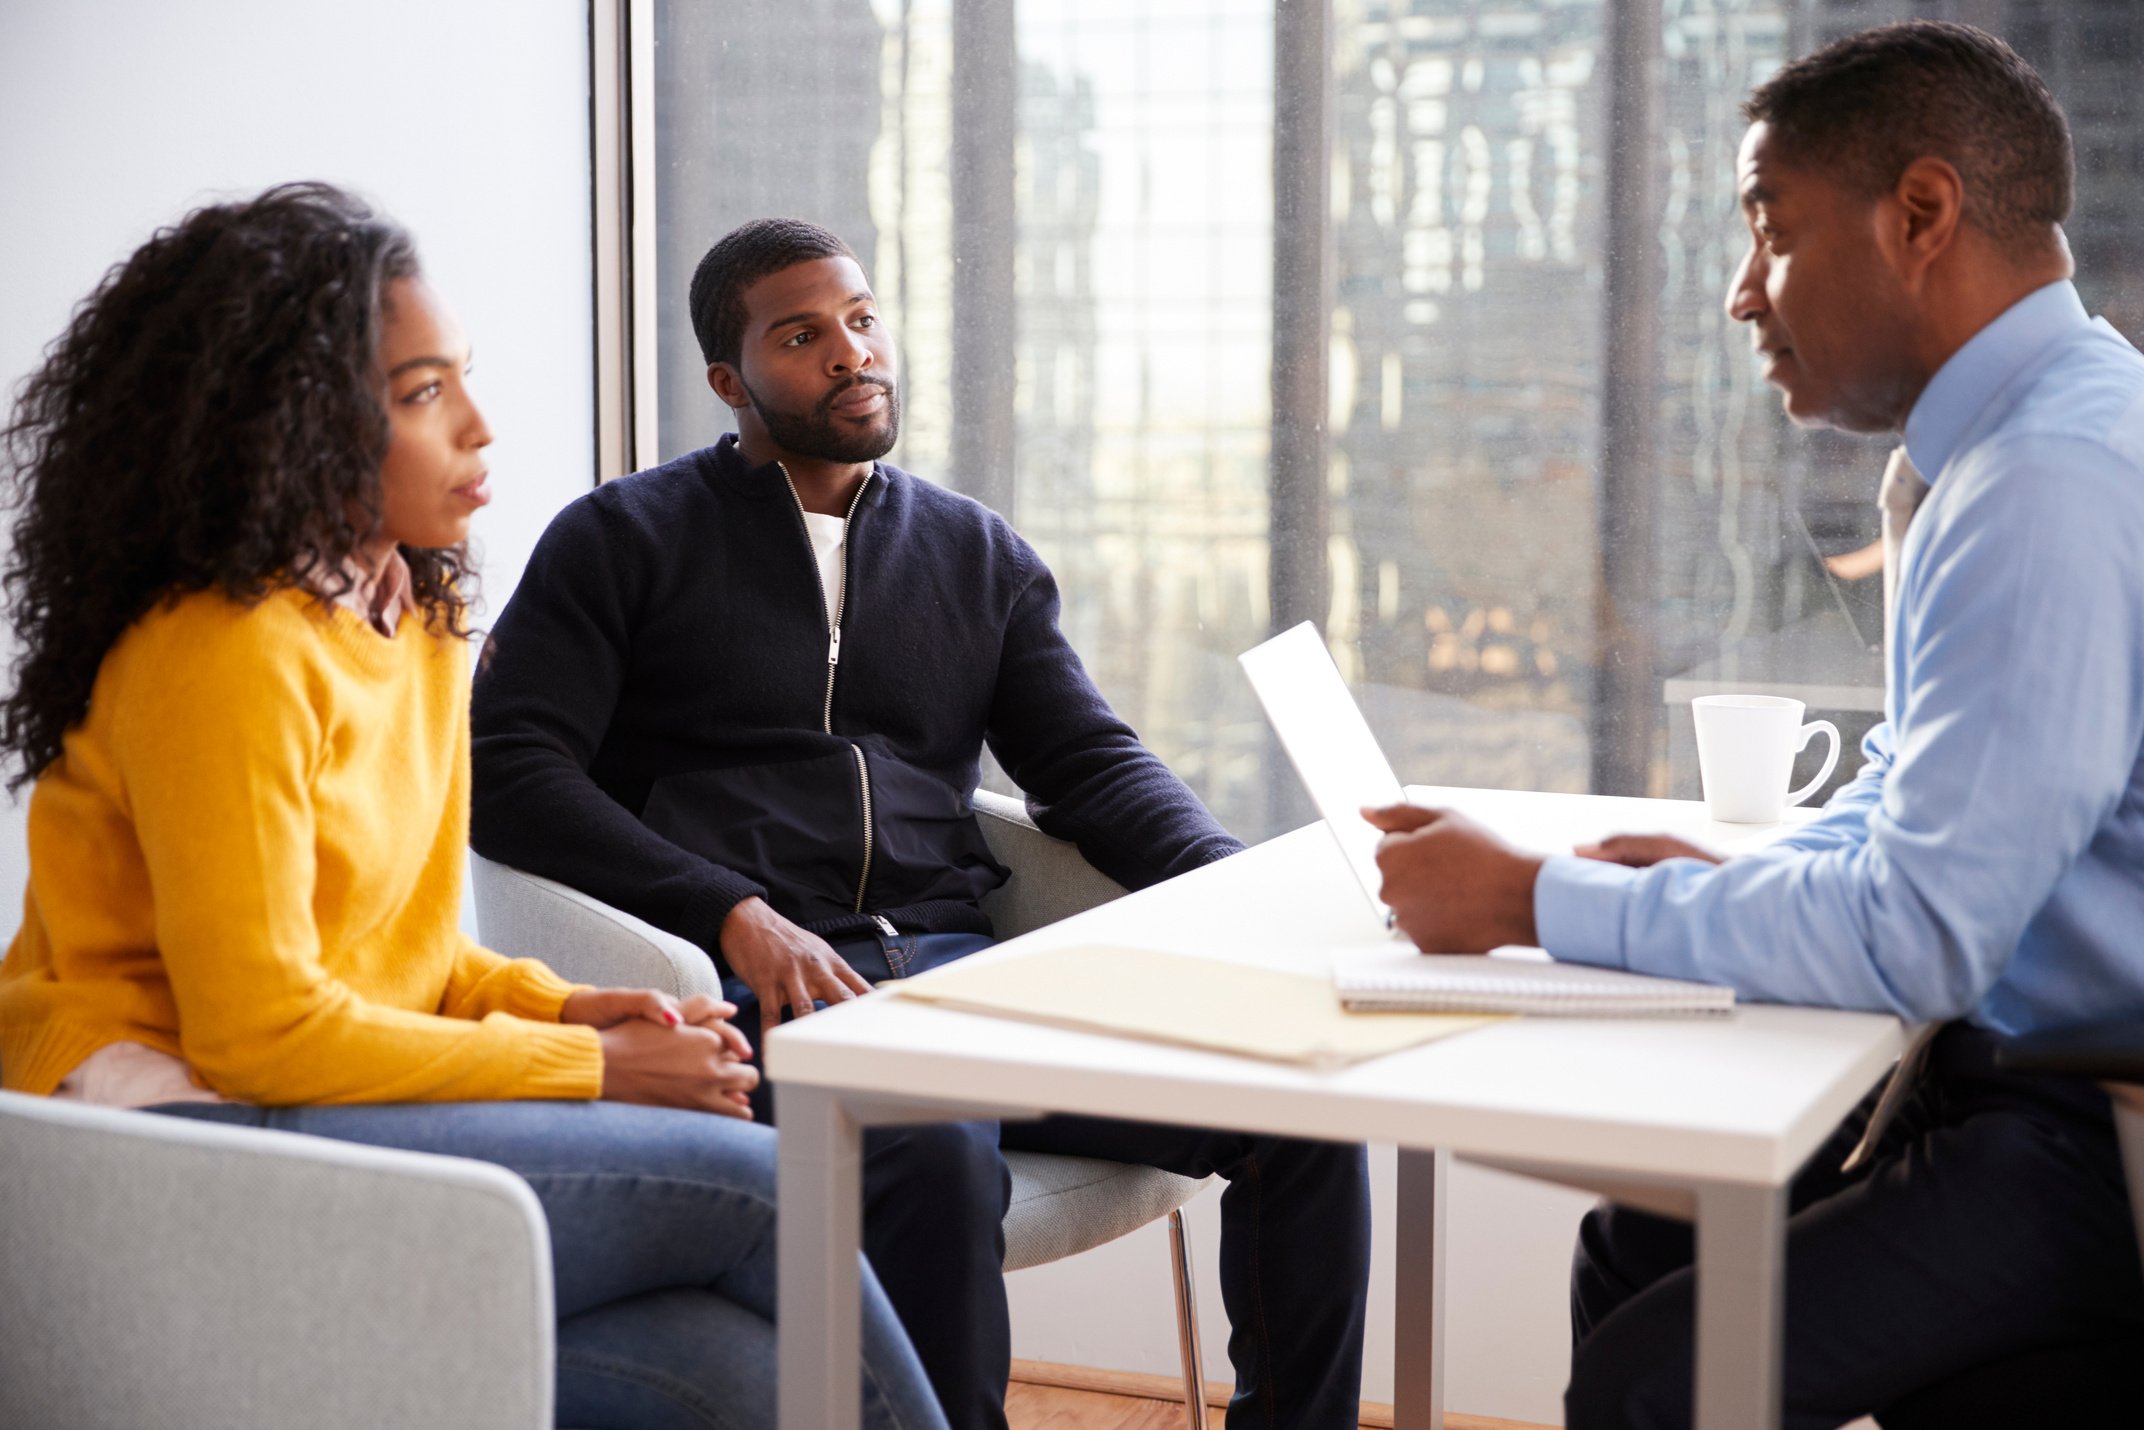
(1453,887)
(695,1067)
(664,1052)
(785,966)
(1643,851)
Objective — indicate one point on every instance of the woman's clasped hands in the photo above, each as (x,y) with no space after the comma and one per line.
(667,1052)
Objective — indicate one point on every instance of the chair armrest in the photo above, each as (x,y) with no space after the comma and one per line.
(161,1271)
(1050,879)
(587,940)
(2111,1051)
(583,939)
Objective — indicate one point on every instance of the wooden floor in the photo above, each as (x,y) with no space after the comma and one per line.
(1053,1407)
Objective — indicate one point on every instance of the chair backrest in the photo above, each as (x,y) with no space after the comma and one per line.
(1050,879)
(2111,1051)
(164,1271)
(582,938)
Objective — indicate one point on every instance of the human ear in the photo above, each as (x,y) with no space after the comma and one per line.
(728,386)
(1928,202)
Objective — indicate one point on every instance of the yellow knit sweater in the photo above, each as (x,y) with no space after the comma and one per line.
(249,856)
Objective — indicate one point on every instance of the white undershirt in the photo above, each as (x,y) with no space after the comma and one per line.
(828,535)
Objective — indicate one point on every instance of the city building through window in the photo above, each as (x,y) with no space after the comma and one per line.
(1402,316)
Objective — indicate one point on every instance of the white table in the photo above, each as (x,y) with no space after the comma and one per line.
(1713,1115)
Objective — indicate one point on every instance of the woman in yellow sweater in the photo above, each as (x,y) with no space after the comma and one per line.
(245,478)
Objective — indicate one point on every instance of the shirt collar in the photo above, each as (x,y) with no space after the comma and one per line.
(1964,386)
(379,598)
(393,594)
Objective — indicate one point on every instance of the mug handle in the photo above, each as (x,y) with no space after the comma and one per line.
(1816,727)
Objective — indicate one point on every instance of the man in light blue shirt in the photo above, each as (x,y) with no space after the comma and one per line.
(1904,191)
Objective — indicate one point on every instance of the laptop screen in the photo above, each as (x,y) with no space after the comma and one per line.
(1323,731)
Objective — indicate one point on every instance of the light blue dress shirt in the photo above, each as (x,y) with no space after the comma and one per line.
(1988,860)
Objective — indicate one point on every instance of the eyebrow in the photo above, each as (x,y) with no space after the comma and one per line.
(851,301)
(429,360)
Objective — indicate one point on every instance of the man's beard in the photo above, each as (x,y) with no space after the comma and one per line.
(818,433)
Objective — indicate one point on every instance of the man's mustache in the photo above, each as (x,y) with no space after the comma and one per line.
(826,404)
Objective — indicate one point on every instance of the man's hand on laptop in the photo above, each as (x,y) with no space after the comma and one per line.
(1452,886)
(785,966)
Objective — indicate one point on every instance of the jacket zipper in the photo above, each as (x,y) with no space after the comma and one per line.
(833,649)
(863,785)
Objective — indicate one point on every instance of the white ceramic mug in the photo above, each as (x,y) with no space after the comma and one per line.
(1746,746)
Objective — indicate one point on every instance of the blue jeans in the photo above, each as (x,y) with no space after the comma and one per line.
(662,1252)
(1295,1236)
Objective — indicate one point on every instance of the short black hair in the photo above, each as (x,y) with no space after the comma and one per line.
(741,258)
(1865,107)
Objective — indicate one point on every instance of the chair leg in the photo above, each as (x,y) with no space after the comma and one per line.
(1187,1323)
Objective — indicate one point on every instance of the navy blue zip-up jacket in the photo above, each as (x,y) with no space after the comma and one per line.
(654,725)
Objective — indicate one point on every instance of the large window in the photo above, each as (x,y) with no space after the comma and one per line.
(1401,317)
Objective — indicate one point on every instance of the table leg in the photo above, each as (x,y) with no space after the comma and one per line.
(1418,1318)
(819,1171)
(1741,1306)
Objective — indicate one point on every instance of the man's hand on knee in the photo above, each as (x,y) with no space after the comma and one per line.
(785,966)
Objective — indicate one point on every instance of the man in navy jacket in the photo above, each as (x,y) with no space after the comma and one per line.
(744,695)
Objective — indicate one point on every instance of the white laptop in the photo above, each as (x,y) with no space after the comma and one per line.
(1323,731)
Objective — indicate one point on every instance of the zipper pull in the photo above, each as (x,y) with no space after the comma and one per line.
(885,926)
(833,646)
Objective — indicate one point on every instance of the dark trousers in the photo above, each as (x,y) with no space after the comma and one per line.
(1295,1240)
(1992,1229)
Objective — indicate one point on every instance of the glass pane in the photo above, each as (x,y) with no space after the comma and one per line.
(1467,352)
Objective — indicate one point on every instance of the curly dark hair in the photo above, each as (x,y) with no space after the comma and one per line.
(739,259)
(213,417)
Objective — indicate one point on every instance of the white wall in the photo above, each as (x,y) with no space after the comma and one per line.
(465,119)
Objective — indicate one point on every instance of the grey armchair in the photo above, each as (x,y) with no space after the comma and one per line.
(158,1272)
(1060,1205)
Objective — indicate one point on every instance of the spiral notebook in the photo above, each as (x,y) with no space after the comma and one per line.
(1399,981)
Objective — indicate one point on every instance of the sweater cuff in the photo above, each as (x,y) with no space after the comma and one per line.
(1226,847)
(1578,909)
(564,1063)
(536,993)
(37,1055)
(709,908)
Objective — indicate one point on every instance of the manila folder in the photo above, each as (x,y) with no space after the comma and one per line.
(1174,998)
